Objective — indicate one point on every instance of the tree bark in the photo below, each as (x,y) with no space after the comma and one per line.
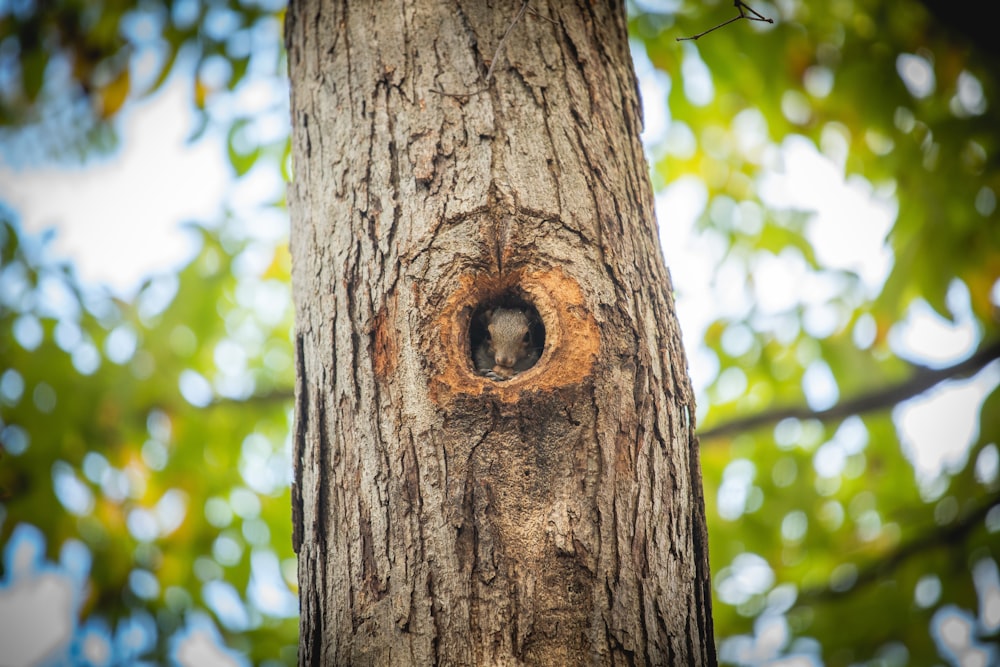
(442,517)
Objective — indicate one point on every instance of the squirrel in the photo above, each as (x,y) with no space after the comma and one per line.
(508,347)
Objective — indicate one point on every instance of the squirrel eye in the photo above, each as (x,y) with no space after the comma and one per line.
(527,338)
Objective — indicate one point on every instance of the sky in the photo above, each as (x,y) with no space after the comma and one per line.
(117,218)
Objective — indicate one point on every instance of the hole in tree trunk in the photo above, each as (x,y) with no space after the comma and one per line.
(506,337)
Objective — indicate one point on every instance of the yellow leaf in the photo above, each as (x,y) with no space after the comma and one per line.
(113,95)
(281,264)
(883,324)
(201,92)
(980,284)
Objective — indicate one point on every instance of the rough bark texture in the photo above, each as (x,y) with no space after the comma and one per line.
(443,518)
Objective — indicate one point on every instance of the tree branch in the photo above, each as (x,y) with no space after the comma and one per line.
(879,399)
(921,381)
(277,395)
(945,536)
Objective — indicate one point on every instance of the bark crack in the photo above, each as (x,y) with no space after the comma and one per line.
(300,444)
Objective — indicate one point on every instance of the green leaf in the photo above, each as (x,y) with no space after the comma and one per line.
(33,65)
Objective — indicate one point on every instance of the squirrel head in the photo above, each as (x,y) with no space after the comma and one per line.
(509,335)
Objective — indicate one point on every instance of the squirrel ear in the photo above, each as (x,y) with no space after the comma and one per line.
(487,315)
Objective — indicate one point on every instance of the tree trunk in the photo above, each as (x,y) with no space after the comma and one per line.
(442,517)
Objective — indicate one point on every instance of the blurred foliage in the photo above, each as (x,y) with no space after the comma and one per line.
(67,67)
(823,538)
(154,431)
(144,430)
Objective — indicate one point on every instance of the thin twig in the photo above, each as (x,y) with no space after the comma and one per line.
(493,63)
(740,6)
(544,18)
(503,40)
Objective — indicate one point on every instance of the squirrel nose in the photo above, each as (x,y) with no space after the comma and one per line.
(504,360)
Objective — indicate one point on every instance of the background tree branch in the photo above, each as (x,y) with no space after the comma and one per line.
(922,380)
(943,536)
